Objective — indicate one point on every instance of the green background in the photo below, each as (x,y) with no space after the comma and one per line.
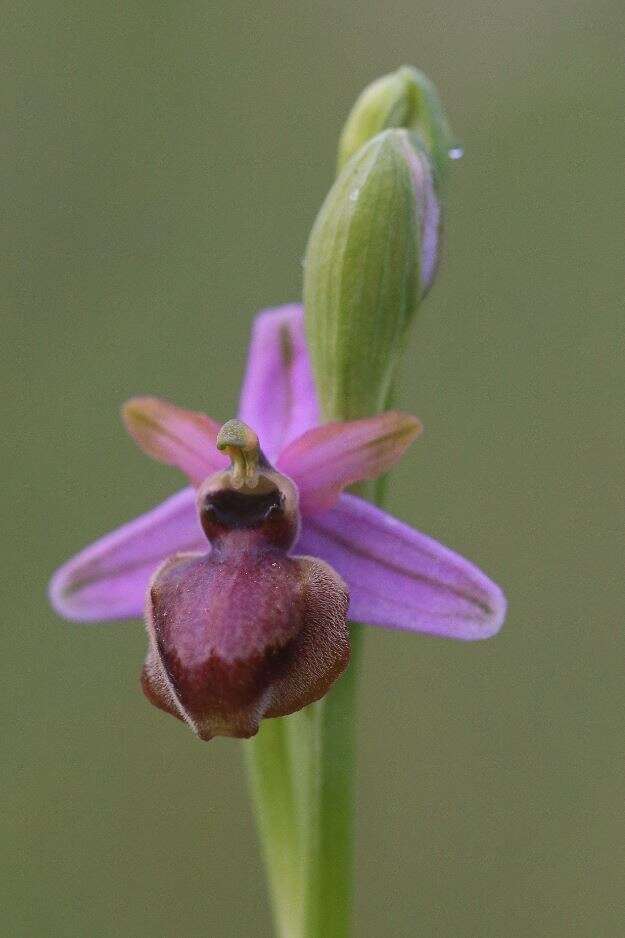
(162,165)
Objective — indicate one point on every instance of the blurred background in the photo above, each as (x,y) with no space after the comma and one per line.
(162,163)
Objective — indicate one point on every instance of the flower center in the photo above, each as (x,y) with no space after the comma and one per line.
(250,506)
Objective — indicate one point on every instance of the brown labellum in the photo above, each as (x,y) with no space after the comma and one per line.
(246,630)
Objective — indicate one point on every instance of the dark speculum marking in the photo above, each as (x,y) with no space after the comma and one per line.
(243,510)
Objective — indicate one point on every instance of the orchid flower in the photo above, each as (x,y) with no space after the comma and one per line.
(209,635)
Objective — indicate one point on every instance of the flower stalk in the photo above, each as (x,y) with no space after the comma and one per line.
(371,257)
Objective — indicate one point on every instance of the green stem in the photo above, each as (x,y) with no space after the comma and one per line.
(329,892)
(330,859)
(273,791)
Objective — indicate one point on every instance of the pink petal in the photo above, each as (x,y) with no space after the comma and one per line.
(326,459)
(401,579)
(108,579)
(182,438)
(278,398)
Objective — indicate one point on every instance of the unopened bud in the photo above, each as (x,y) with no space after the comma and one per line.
(371,256)
(403,99)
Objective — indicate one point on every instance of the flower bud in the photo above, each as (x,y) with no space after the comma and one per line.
(245,630)
(403,99)
(371,256)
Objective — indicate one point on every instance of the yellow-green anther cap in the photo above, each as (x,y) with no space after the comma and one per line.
(403,99)
(371,256)
(240,443)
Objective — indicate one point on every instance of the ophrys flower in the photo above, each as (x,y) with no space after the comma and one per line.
(396,577)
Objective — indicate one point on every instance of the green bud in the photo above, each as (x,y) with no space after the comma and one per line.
(404,99)
(370,258)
